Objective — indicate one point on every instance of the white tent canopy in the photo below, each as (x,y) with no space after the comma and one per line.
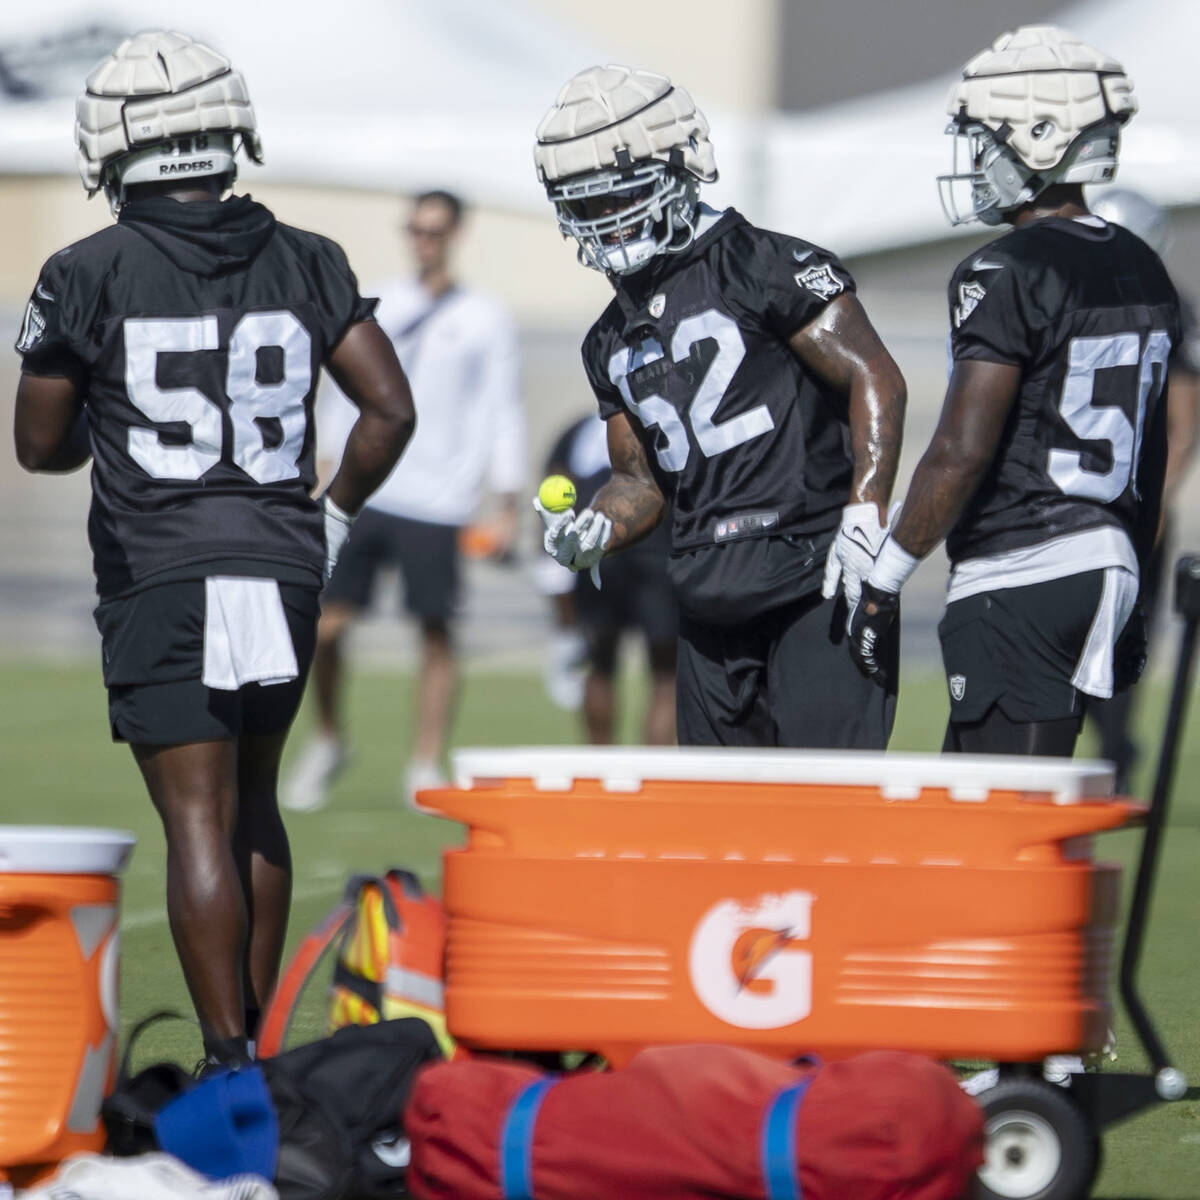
(362,93)
(861,176)
(382,94)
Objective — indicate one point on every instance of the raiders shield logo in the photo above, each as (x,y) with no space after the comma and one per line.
(657,305)
(958,686)
(820,280)
(32,328)
(969,296)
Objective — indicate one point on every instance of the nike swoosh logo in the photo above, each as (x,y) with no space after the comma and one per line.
(38,290)
(802,255)
(981,264)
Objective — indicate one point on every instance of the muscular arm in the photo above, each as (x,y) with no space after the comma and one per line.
(50,427)
(1183,429)
(978,401)
(842,348)
(365,367)
(630,499)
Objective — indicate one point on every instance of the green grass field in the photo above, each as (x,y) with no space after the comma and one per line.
(60,767)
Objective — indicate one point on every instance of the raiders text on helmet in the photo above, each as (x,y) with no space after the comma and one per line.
(161,107)
(622,154)
(1038,107)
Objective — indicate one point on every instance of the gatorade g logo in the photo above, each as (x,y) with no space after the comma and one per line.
(746,964)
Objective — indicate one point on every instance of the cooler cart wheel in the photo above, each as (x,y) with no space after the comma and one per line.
(1038,1144)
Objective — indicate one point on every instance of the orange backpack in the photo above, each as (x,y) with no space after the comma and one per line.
(390,938)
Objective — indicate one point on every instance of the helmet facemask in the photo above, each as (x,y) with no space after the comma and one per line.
(989,180)
(623,217)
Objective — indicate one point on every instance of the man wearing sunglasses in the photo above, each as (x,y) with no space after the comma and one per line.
(459,349)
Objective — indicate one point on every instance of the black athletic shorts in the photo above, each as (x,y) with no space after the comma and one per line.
(635,593)
(426,553)
(783,679)
(152,644)
(1019,648)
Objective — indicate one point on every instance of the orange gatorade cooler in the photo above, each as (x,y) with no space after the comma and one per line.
(58,991)
(792,901)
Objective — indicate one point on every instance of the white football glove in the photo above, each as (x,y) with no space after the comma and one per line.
(853,552)
(337,530)
(577,542)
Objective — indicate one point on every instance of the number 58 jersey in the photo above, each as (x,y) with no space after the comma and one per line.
(1087,312)
(742,439)
(195,333)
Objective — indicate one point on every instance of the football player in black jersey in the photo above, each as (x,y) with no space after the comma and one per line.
(1046,469)
(747,393)
(1141,215)
(179,349)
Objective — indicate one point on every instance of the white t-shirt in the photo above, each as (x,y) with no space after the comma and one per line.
(460,355)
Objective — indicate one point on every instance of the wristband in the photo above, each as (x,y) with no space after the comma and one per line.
(335,511)
(893,566)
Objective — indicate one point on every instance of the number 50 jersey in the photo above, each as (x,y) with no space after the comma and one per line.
(1088,313)
(742,440)
(195,333)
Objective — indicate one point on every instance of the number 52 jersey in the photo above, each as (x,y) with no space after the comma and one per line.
(1088,313)
(742,439)
(195,333)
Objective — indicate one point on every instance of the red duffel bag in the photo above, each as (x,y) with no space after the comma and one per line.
(694,1121)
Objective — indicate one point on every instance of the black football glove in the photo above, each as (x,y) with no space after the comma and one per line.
(1129,653)
(872,627)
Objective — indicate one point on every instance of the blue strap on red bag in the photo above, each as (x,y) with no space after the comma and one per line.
(780,1168)
(516,1140)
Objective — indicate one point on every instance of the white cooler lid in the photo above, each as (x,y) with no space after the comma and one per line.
(63,850)
(967,777)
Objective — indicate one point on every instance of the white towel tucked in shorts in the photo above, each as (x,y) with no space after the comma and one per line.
(1094,671)
(246,635)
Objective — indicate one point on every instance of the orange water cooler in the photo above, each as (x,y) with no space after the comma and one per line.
(796,902)
(59,952)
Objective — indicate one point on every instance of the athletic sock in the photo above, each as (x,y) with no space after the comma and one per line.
(253,1016)
(226,1052)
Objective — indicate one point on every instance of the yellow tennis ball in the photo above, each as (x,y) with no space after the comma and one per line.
(556,493)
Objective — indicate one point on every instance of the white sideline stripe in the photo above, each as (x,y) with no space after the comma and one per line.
(155,916)
(329,881)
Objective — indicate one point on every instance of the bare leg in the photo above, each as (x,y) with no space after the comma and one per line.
(437,691)
(194,788)
(264,863)
(659,729)
(327,666)
(599,705)
(599,690)
(660,713)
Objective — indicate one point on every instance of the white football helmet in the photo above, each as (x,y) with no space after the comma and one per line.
(622,155)
(1139,214)
(161,107)
(1037,107)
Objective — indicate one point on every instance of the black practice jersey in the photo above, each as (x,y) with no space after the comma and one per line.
(195,333)
(1086,310)
(743,441)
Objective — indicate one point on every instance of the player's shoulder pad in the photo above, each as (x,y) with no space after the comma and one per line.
(315,245)
(812,267)
(1000,261)
(92,254)
(597,344)
(610,321)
